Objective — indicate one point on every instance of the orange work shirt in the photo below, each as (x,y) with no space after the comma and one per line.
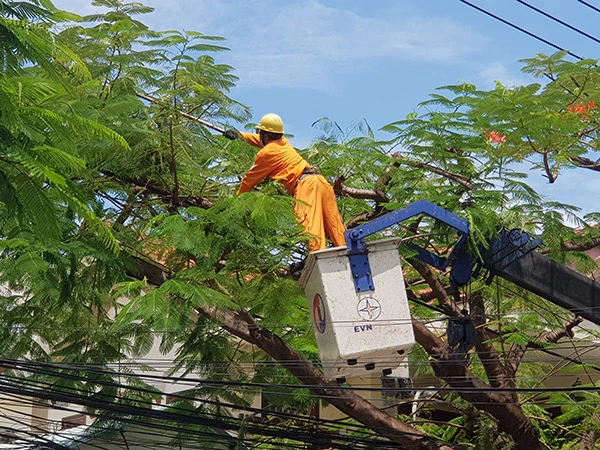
(277,160)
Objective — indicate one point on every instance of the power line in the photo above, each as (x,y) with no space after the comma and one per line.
(164,427)
(221,422)
(99,401)
(35,368)
(588,5)
(529,33)
(342,445)
(571,27)
(544,350)
(263,386)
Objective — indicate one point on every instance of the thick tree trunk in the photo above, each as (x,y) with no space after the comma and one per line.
(243,326)
(589,439)
(503,406)
(499,405)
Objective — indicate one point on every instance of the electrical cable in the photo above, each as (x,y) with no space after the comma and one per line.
(39,431)
(216,364)
(377,389)
(311,421)
(285,326)
(545,402)
(36,438)
(529,33)
(578,351)
(18,381)
(296,434)
(549,16)
(211,436)
(230,384)
(589,5)
(380,362)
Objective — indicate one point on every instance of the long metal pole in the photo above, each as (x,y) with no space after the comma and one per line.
(186,115)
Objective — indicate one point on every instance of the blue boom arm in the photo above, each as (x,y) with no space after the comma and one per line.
(510,255)
(357,248)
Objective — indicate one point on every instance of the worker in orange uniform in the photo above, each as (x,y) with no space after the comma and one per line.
(317,209)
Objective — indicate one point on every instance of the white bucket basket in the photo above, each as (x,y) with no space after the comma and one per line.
(358,332)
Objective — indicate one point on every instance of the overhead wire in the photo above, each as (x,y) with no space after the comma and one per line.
(290,326)
(546,43)
(34,438)
(589,5)
(129,410)
(578,361)
(81,440)
(556,19)
(82,400)
(523,30)
(480,402)
(327,362)
(546,390)
(369,447)
(303,385)
(555,403)
(548,351)
(216,367)
(38,430)
(31,367)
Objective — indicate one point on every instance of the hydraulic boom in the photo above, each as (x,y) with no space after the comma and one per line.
(511,256)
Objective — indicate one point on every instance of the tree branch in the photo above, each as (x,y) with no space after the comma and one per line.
(499,405)
(515,356)
(586,163)
(242,325)
(575,246)
(438,289)
(551,176)
(175,191)
(376,195)
(463,181)
(367,194)
(495,371)
(163,193)
(580,247)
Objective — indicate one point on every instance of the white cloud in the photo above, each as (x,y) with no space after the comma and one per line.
(308,44)
(499,72)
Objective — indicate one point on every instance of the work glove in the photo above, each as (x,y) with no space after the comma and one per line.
(232,134)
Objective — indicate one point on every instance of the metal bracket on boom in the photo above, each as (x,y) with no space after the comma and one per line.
(510,255)
(507,248)
(358,252)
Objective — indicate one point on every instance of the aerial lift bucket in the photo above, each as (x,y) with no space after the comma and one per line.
(358,332)
(357,297)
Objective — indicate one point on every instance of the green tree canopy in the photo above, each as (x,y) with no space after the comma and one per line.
(120,225)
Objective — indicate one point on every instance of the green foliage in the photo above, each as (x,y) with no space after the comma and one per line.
(577,416)
(95,182)
(487,436)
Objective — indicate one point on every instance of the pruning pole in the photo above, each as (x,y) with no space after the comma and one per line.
(186,115)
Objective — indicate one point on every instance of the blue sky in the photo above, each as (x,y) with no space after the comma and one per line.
(376,60)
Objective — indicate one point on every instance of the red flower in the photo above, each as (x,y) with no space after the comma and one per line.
(581,107)
(495,137)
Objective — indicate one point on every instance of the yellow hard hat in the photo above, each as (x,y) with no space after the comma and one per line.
(271,123)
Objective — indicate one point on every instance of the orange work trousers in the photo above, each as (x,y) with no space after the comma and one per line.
(318,213)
